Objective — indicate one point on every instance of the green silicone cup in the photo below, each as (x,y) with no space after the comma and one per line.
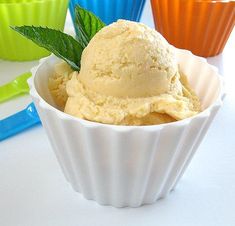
(45,13)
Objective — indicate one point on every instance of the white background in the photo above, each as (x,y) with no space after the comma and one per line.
(33,191)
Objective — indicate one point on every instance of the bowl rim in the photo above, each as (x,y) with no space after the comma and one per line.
(205,1)
(23,2)
(64,116)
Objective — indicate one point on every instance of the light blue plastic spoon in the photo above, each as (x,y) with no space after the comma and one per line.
(19,122)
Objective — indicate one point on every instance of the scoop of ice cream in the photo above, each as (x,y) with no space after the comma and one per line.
(57,83)
(129,76)
(128,59)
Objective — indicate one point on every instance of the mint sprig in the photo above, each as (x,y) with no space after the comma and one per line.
(87,25)
(63,45)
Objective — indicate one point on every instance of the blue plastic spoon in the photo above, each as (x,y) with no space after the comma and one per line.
(19,122)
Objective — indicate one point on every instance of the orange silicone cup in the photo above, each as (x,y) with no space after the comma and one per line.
(201,26)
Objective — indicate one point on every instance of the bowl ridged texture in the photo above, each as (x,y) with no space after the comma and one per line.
(110,11)
(127,165)
(48,13)
(202,27)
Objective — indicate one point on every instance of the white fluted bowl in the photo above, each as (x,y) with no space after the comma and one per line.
(127,165)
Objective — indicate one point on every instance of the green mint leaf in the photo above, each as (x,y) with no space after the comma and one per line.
(62,45)
(87,25)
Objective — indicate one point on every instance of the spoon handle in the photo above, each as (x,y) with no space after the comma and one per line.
(19,122)
(15,87)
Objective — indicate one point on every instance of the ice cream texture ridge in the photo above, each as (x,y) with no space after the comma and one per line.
(129,76)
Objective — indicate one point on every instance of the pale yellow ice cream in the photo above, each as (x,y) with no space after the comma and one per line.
(57,83)
(129,76)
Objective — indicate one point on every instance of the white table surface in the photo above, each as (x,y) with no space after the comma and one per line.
(34,192)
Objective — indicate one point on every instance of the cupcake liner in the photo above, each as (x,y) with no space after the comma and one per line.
(202,27)
(110,11)
(127,165)
(45,13)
